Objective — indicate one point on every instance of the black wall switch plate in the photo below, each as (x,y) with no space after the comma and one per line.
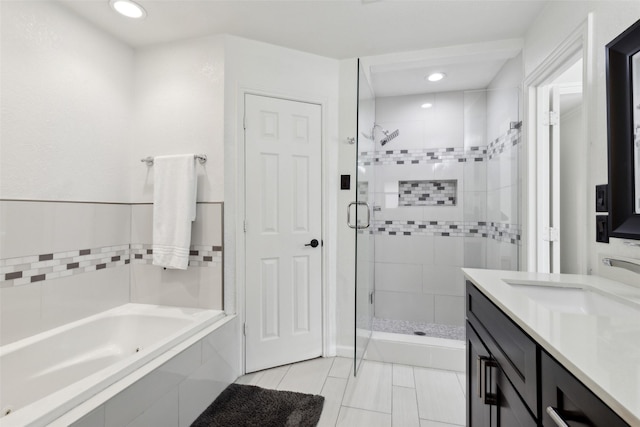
(345,182)
(602,228)
(602,192)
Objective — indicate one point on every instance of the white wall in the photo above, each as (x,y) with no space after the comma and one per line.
(79,111)
(345,241)
(66,105)
(179,108)
(572,228)
(551,28)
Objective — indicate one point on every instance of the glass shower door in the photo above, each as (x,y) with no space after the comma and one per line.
(365,249)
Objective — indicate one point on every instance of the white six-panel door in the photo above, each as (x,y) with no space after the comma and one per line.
(283,301)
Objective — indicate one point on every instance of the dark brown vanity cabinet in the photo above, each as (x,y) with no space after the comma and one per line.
(511,381)
(501,367)
(567,400)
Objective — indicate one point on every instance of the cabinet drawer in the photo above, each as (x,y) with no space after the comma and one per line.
(512,348)
(573,402)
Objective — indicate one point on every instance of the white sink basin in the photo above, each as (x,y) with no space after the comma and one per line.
(575,300)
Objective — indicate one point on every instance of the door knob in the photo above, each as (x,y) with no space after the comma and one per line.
(314,243)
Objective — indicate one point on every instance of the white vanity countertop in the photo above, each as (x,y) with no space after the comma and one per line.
(602,351)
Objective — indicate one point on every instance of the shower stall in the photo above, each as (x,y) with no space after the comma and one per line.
(437,191)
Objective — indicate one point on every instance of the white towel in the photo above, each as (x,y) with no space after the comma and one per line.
(174,208)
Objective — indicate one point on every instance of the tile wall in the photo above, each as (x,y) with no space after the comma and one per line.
(61,261)
(423,237)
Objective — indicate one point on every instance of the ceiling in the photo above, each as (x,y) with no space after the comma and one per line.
(339,29)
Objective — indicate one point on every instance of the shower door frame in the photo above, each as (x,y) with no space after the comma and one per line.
(362,236)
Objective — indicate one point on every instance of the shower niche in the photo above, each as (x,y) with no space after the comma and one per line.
(428,192)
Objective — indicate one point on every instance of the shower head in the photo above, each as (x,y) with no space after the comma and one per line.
(389,136)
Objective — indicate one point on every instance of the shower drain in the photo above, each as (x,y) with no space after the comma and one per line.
(419,333)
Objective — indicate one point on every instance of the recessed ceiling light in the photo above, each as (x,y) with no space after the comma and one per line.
(128,8)
(435,77)
(426,105)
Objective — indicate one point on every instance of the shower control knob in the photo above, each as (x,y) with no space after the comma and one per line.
(314,243)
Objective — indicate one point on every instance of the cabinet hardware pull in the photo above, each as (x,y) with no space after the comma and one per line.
(556,417)
(487,398)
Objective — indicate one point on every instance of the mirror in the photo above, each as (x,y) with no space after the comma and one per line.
(635,78)
(623,114)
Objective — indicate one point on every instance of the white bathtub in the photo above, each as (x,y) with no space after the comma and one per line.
(44,376)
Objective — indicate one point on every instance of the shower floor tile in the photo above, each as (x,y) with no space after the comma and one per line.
(410,327)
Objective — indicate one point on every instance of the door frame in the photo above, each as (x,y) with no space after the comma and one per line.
(328,293)
(578,43)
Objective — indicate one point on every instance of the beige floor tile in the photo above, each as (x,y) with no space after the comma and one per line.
(403,376)
(429,423)
(371,389)
(352,417)
(272,377)
(307,377)
(333,391)
(440,396)
(405,407)
(342,367)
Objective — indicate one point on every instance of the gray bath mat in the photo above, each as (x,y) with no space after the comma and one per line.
(247,406)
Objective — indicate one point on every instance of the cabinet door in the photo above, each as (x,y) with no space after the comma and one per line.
(478,412)
(574,403)
(510,410)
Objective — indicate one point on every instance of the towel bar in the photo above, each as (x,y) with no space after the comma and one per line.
(202,158)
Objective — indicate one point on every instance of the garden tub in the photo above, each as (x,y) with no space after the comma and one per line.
(46,375)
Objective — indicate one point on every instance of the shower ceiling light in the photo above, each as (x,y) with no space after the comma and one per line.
(426,105)
(128,8)
(435,77)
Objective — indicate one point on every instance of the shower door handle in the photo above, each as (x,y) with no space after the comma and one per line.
(356,226)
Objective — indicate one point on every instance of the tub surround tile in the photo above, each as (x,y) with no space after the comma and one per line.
(164,396)
(134,400)
(37,268)
(34,268)
(194,287)
(94,418)
(71,298)
(20,309)
(201,388)
(164,412)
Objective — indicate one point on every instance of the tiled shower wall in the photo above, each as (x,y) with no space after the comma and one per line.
(423,240)
(62,261)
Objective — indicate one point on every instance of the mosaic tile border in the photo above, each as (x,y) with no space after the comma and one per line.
(507,233)
(418,156)
(36,268)
(199,256)
(30,269)
(504,143)
(422,156)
